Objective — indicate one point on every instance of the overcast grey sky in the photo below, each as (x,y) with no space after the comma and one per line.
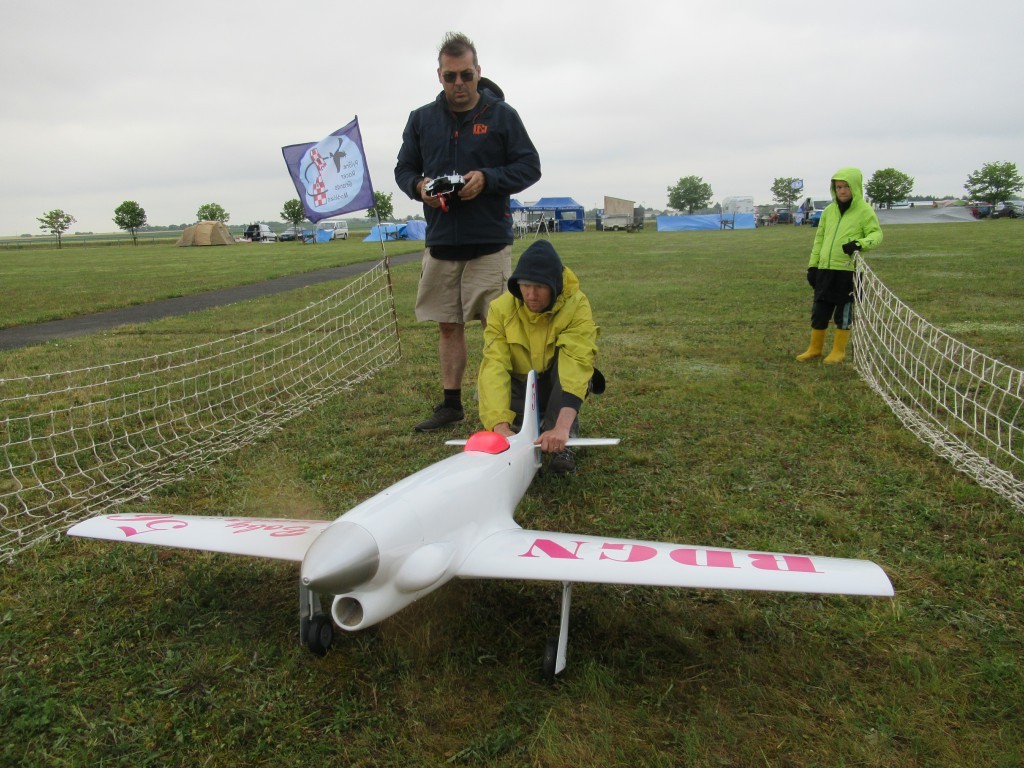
(176,105)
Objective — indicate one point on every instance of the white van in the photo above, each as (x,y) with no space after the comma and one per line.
(338,229)
(259,233)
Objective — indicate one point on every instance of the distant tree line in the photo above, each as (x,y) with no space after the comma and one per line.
(992,183)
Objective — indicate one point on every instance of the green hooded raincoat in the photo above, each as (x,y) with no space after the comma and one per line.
(836,228)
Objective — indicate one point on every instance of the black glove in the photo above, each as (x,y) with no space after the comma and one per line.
(812,276)
(849,248)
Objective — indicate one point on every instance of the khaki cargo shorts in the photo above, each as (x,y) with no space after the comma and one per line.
(461,291)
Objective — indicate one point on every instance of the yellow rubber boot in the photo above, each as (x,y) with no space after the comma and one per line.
(838,353)
(814,350)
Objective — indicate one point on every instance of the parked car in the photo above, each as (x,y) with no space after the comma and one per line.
(291,233)
(338,229)
(1009,210)
(980,210)
(259,233)
(819,206)
(783,216)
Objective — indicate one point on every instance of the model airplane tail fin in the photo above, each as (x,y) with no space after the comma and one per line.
(530,430)
(532,420)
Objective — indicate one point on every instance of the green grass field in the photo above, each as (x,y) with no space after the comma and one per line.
(138,656)
(55,284)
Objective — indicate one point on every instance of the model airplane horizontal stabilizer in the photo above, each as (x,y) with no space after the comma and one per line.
(572,442)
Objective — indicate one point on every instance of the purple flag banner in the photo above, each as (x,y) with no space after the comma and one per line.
(331,176)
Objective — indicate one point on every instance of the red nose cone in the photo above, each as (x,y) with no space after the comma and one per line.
(487,442)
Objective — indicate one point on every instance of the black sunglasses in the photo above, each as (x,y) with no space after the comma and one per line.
(467,76)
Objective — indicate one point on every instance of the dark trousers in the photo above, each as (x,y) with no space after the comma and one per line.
(549,400)
(833,299)
(823,311)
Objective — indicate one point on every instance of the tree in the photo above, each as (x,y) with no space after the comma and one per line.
(293,212)
(888,186)
(994,183)
(129,216)
(212,212)
(689,192)
(382,209)
(56,222)
(785,192)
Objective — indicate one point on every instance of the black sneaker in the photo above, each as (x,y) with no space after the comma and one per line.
(443,416)
(562,463)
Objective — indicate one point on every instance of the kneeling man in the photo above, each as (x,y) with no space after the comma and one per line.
(544,323)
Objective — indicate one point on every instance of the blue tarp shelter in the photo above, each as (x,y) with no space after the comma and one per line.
(385,232)
(416,229)
(705,221)
(410,230)
(566,212)
(316,235)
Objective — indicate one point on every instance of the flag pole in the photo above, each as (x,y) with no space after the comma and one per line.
(380,234)
(387,271)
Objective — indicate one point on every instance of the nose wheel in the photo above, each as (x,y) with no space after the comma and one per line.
(316,630)
(319,635)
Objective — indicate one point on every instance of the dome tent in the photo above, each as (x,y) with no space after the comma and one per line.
(206,233)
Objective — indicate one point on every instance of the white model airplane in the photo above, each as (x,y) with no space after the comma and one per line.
(455,519)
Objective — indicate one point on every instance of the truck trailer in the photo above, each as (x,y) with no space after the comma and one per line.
(621,215)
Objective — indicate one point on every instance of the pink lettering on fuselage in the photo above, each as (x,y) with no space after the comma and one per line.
(698,558)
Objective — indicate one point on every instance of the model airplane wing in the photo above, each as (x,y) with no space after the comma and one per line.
(541,555)
(253,536)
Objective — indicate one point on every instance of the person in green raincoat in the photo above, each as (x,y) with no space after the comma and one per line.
(847,225)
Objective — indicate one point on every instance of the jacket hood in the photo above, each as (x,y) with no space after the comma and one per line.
(540,263)
(854,178)
(492,87)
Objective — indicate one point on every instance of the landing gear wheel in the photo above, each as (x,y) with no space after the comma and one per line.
(319,634)
(550,659)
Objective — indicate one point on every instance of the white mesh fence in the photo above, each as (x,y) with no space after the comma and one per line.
(76,443)
(965,405)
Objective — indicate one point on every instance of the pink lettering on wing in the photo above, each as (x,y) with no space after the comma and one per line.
(708,558)
(274,529)
(551,549)
(637,552)
(796,563)
(629,552)
(148,523)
